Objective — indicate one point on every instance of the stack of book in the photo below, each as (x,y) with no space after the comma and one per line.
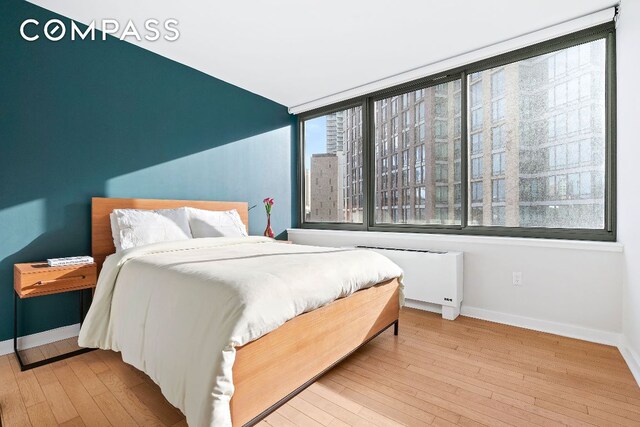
(72,260)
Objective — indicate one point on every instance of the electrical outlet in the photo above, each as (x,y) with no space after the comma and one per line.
(517,278)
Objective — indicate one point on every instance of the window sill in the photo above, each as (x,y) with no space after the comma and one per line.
(479,240)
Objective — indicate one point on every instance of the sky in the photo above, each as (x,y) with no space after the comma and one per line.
(315,138)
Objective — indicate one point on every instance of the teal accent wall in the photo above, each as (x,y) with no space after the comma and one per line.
(107,118)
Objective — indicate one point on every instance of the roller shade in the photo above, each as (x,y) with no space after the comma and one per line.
(564,28)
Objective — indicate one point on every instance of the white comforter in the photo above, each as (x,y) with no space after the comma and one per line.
(177,310)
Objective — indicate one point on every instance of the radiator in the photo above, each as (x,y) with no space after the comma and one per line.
(429,276)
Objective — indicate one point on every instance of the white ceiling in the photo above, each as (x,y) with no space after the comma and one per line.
(296,51)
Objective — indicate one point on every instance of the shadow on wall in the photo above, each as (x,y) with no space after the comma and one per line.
(106,118)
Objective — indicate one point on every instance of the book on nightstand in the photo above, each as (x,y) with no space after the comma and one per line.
(72,260)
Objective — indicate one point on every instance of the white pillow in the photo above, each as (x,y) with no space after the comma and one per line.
(142,227)
(216,223)
(115,231)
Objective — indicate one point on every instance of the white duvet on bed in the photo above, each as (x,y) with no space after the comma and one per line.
(177,310)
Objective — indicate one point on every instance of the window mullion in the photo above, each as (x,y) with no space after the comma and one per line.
(464,157)
(366,165)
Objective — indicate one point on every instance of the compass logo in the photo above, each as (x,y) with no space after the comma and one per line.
(55,30)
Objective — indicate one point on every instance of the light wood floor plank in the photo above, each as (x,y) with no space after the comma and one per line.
(85,406)
(113,410)
(40,415)
(60,404)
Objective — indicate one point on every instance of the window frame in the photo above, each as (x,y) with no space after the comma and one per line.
(463,73)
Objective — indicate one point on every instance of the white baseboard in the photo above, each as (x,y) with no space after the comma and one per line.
(631,357)
(557,328)
(41,338)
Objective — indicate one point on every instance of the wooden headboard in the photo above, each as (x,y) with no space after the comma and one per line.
(101,208)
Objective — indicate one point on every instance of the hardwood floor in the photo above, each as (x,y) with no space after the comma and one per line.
(466,372)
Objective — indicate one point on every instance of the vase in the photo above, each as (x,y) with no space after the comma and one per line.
(268,232)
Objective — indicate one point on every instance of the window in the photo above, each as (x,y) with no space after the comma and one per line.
(441,107)
(419,203)
(498,215)
(430,163)
(498,109)
(476,192)
(442,172)
(394,105)
(497,83)
(419,164)
(476,119)
(442,194)
(419,113)
(498,166)
(538,160)
(476,95)
(476,143)
(333,155)
(499,138)
(498,193)
(441,129)
(442,215)
(545,97)
(476,167)
(442,151)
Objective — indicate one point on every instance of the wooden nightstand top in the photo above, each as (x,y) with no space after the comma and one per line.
(40,266)
(37,278)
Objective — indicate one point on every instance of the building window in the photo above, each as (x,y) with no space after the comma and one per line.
(547,113)
(497,83)
(442,150)
(498,138)
(498,215)
(476,95)
(476,192)
(441,129)
(498,109)
(476,143)
(498,164)
(476,215)
(498,192)
(442,172)
(476,167)
(442,215)
(430,151)
(442,194)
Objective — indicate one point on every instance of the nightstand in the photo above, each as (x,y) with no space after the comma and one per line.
(36,279)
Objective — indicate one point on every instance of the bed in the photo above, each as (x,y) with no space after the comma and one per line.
(273,368)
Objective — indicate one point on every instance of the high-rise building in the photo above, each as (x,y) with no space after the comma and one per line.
(325,190)
(335,132)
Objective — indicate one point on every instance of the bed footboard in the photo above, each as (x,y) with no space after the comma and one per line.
(271,370)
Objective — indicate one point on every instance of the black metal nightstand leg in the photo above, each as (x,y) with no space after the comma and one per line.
(24,367)
(395,328)
(15,325)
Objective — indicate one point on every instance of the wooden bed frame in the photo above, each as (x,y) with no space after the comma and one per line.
(271,370)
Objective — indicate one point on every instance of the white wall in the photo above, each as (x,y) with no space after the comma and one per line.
(628,63)
(570,288)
